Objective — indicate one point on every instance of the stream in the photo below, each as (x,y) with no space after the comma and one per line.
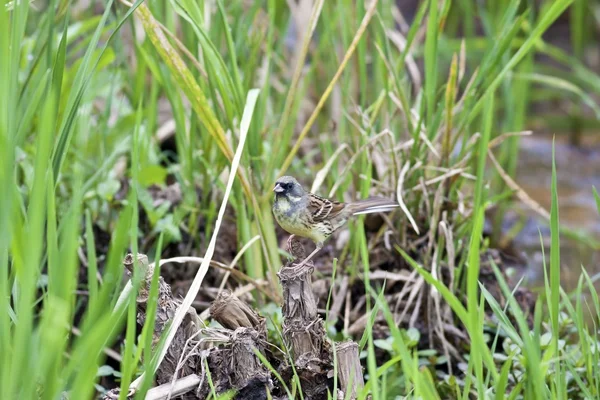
(578,169)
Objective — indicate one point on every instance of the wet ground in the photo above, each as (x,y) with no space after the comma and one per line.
(578,169)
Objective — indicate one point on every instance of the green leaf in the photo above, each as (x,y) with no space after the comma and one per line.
(108,188)
(105,370)
(152,175)
(169,227)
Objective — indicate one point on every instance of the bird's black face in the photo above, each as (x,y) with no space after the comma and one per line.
(288,187)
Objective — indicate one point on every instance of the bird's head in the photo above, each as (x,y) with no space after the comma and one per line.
(287,186)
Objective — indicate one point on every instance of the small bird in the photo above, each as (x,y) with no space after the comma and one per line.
(305,214)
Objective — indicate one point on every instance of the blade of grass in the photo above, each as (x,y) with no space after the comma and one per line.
(577,25)
(561,84)
(555,273)
(478,348)
(62,301)
(27,269)
(7,75)
(92,264)
(431,62)
(597,198)
(503,380)
(409,367)
(231,48)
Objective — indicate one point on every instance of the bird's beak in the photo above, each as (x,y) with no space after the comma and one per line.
(278,188)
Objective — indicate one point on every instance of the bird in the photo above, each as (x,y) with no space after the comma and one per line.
(305,214)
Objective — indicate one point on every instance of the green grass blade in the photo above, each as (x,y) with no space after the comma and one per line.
(92,267)
(503,379)
(231,48)
(478,347)
(431,62)
(555,273)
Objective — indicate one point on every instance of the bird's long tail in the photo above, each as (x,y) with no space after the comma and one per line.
(373,205)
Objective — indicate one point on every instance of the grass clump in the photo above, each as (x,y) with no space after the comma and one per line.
(160,127)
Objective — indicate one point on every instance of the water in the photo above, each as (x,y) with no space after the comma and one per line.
(578,169)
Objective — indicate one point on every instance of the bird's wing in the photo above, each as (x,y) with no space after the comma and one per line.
(322,209)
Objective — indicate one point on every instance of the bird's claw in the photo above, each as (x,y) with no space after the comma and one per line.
(295,248)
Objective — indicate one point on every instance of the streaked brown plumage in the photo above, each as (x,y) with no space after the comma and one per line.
(308,215)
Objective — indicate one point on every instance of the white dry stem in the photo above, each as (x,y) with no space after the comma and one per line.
(450,251)
(417,310)
(442,177)
(400,20)
(459,104)
(388,276)
(423,135)
(181,386)
(521,194)
(200,260)
(406,113)
(183,360)
(428,207)
(501,138)
(415,289)
(401,200)
(400,41)
(404,145)
(323,172)
(193,291)
(347,312)
(462,60)
(412,280)
(435,217)
(439,327)
(235,260)
(166,130)
(355,157)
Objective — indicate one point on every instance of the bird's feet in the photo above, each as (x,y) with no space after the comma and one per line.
(295,248)
(307,260)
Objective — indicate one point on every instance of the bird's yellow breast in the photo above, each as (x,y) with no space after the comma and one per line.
(315,232)
(295,222)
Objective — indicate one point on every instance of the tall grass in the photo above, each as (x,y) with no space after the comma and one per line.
(342,98)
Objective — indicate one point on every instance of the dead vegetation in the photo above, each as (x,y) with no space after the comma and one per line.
(205,360)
